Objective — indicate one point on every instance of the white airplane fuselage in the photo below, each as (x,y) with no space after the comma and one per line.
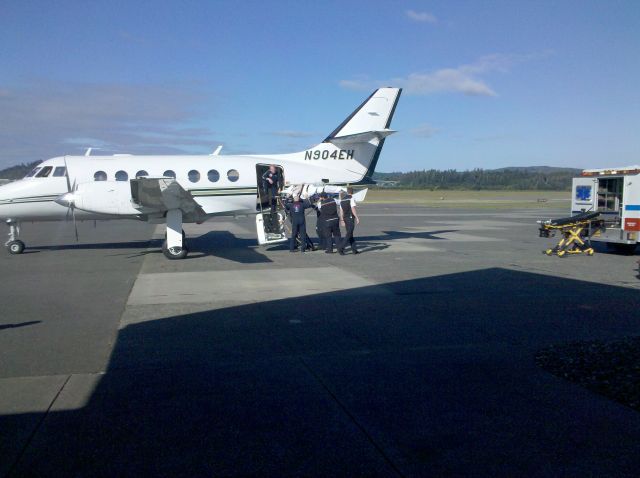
(218,190)
(191,188)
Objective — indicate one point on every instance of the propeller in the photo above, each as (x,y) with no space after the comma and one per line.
(68,199)
(72,209)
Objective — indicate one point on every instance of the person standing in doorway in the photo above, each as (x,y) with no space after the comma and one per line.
(272,180)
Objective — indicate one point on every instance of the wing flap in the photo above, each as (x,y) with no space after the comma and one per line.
(161,195)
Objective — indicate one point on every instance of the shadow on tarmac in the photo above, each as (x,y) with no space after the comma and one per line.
(426,377)
(393,235)
(21,324)
(98,245)
(226,245)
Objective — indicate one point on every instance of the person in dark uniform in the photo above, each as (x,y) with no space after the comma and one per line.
(298,226)
(329,216)
(272,180)
(350,219)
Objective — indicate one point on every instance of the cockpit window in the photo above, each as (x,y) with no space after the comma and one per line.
(59,171)
(33,172)
(100,176)
(45,172)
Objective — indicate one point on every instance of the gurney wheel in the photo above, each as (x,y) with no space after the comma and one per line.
(548,252)
(590,252)
(561,253)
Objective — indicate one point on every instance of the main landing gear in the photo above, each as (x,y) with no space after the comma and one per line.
(174,246)
(14,245)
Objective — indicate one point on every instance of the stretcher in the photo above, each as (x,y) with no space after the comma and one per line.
(575,233)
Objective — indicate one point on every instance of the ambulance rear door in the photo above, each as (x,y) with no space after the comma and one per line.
(584,195)
(631,206)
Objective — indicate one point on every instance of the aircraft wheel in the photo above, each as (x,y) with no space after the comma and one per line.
(174,253)
(15,247)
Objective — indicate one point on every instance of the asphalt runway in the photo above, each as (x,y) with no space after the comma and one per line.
(414,358)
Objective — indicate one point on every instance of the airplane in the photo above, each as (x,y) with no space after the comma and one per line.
(177,189)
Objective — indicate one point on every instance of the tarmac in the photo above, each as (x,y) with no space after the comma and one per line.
(414,358)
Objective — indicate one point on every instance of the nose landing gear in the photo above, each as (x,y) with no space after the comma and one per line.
(14,245)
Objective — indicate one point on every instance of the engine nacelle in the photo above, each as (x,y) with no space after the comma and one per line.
(101,197)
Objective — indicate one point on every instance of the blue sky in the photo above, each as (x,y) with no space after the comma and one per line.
(486,83)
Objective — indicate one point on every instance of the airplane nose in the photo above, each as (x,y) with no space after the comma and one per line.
(6,192)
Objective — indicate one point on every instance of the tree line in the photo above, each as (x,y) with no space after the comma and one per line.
(18,171)
(533,178)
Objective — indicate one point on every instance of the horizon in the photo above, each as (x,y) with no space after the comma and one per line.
(485,86)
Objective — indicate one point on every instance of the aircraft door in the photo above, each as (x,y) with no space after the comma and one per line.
(584,193)
(271,217)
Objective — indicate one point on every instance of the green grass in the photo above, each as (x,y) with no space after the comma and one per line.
(473,199)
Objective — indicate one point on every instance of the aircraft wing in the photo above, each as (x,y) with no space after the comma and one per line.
(153,195)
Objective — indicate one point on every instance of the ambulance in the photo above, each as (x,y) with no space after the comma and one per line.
(615,194)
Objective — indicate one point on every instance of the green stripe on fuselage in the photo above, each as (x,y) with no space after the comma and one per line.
(224,192)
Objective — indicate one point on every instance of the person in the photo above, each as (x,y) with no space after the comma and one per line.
(298,226)
(315,204)
(272,179)
(330,219)
(350,219)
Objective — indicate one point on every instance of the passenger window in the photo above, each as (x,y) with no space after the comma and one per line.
(45,172)
(194,176)
(100,176)
(141,173)
(59,171)
(122,176)
(33,172)
(213,176)
(233,175)
(169,174)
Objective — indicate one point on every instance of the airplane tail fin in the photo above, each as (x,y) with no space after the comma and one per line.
(359,139)
(374,115)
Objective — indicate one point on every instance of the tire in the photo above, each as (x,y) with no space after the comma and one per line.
(15,247)
(174,253)
(626,249)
